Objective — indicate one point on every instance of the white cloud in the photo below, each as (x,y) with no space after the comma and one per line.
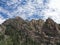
(54,4)
(1,20)
(11,2)
(53,11)
(28,10)
(36,7)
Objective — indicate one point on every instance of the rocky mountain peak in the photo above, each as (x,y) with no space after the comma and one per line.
(51,28)
(49,21)
(36,32)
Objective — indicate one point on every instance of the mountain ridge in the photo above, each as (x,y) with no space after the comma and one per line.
(35,32)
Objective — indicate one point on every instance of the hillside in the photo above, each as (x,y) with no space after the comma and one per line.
(17,31)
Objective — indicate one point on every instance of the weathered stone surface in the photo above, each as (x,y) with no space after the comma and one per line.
(36,31)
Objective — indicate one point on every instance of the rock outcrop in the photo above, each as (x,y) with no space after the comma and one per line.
(17,31)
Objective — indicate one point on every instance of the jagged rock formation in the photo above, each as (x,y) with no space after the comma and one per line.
(17,31)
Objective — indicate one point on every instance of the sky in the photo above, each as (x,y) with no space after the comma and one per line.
(30,9)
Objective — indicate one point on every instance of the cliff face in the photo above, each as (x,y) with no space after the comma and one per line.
(17,31)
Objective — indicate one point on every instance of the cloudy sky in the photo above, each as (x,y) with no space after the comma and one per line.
(30,9)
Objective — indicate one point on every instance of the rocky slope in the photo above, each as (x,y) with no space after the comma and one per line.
(17,31)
